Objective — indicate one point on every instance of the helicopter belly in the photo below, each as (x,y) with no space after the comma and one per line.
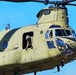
(35,66)
(39,65)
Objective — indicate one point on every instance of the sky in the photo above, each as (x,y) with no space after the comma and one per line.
(24,14)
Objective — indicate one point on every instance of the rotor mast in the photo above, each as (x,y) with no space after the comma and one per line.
(53,15)
(57,15)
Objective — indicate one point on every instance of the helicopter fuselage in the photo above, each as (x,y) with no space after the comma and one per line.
(49,43)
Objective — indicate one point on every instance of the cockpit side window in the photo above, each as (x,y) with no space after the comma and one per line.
(50,44)
(74,35)
(49,34)
(68,33)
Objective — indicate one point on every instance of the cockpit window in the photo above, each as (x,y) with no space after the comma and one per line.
(48,34)
(60,32)
(68,33)
(73,33)
(50,44)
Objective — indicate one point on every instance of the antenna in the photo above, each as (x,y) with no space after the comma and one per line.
(7,27)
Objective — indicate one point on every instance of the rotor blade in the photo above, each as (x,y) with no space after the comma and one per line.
(42,1)
(72,4)
(68,1)
(18,0)
(63,2)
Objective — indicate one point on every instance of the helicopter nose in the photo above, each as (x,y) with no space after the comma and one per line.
(66,46)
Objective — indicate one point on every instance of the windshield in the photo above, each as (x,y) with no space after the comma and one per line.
(73,33)
(62,32)
(68,33)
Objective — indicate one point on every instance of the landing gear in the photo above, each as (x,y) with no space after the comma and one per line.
(34,73)
(62,62)
(58,68)
(16,71)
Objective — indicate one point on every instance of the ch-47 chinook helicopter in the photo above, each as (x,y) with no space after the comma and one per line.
(50,43)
